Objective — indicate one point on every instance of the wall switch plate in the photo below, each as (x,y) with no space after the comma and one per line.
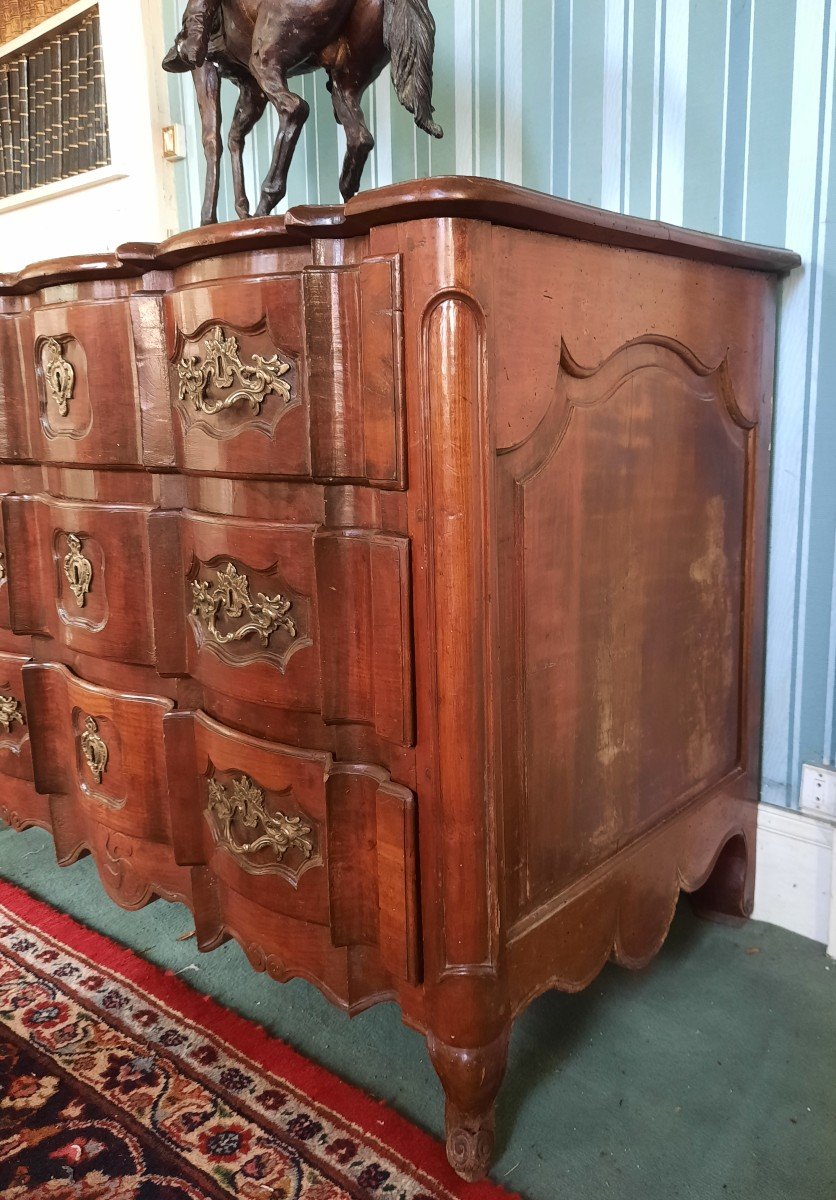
(174,143)
(818,790)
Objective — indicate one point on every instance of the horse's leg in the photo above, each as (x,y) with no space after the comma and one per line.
(346,95)
(207,83)
(293,113)
(248,110)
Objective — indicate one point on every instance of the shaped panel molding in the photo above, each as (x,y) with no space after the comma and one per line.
(645,561)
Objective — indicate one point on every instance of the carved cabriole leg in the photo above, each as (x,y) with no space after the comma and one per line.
(471,1079)
(728,893)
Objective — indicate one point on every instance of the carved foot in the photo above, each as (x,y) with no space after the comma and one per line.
(727,895)
(470,1142)
(471,1079)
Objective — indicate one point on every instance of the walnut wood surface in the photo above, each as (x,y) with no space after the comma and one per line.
(433,527)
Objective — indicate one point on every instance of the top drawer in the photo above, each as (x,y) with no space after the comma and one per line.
(96,382)
(294,375)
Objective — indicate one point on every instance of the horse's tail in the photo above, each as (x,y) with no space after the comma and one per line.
(409,36)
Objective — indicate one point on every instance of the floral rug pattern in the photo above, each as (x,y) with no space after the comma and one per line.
(109,1093)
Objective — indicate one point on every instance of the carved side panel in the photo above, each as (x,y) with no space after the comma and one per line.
(151,365)
(79,359)
(363,584)
(623,520)
(353,327)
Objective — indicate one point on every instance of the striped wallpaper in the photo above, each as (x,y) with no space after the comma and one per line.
(715,114)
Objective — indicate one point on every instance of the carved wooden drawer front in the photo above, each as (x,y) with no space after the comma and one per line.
(100,755)
(301,618)
(336,841)
(82,573)
(14,429)
(249,609)
(20,804)
(84,370)
(291,375)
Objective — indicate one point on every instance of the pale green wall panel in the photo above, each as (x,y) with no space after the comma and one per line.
(536,94)
(586,131)
(738,24)
(643,105)
(765,202)
(704,125)
(713,113)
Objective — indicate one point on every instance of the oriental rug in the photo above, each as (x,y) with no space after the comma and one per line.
(120,1082)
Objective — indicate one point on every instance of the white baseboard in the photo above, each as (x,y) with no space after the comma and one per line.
(796,873)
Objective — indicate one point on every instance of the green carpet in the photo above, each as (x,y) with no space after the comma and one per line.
(710,1074)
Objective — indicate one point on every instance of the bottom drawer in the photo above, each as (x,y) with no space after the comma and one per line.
(100,756)
(312,862)
(20,804)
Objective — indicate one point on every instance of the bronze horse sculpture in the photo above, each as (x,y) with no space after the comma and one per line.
(260,44)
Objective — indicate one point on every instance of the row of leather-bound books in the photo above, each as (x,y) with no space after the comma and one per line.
(53,110)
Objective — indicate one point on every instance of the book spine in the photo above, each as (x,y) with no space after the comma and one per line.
(25,150)
(14,105)
(31,91)
(57,111)
(99,97)
(40,103)
(72,121)
(64,84)
(6,132)
(49,165)
(84,121)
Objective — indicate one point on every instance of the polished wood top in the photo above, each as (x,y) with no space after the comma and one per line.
(447,196)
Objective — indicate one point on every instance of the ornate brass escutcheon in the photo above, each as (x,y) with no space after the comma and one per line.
(59,374)
(10,713)
(78,569)
(222,369)
(94,749)
(245,806)
(2,569)
(229,599)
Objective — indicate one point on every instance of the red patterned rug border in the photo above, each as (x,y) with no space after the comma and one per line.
(373,1117)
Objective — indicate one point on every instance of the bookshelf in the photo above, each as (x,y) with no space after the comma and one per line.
(53,105)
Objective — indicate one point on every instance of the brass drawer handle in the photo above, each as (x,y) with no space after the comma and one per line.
(94,749)
(222,367)
(78,570)
(60,375)
(245,805)
(229,599)
(10,713)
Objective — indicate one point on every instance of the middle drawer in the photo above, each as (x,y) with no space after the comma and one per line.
(83,574)
(298,617)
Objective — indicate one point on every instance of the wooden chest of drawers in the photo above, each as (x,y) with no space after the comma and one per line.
(386,584)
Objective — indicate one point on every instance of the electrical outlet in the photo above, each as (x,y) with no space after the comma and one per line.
(818,790)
